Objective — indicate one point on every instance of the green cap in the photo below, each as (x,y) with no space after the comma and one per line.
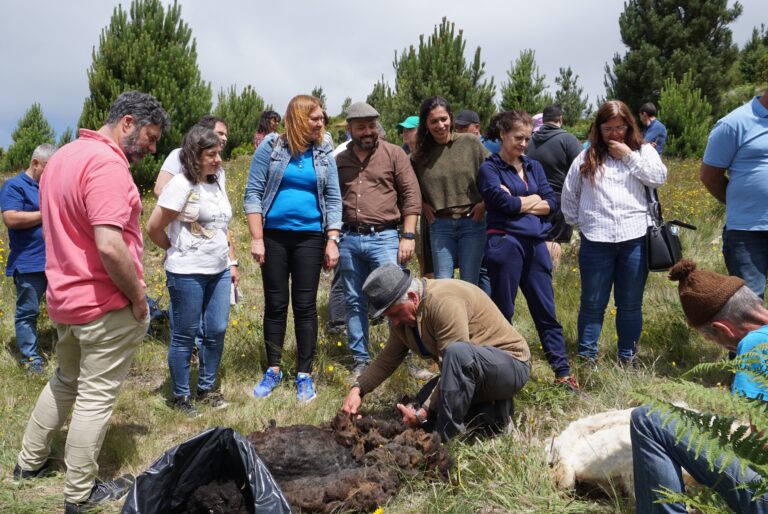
(409,123)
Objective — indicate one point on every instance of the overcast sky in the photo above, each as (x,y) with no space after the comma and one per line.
(286,47)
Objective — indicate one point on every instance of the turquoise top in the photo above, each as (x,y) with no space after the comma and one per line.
(743,384)
(296,206)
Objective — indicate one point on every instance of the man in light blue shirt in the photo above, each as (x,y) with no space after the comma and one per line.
(726,312)
(739,145)
(655,132)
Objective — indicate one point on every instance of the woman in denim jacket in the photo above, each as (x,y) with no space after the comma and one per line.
(292,202)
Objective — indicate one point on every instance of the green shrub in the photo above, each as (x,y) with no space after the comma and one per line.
(244,149)
(686,113)
(242,113)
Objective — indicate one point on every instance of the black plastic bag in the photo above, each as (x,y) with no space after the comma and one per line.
(216,454)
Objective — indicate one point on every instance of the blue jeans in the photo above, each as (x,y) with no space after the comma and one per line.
(193,295)
(462,241)
(30,290)
(746,256)
(623,267)
(359,254)
(657,460)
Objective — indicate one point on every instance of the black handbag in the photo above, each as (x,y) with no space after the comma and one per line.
(663,247)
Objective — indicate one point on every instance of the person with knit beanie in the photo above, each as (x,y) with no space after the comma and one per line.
(725,311)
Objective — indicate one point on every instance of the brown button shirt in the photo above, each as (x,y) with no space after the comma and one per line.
(380,189)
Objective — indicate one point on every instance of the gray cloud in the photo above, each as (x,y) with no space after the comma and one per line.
(287,47)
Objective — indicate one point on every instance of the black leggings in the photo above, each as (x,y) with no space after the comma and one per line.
(298,256)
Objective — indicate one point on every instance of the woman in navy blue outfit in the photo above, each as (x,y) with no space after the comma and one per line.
(518,200)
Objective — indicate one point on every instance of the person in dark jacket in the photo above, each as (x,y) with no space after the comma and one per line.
(518,199)
(555,148)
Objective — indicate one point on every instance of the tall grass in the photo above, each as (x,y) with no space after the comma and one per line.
(507,474)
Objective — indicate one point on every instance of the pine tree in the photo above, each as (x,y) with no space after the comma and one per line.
(686,114)
(66,137)
(525,88)
(381,97)
(345,107)
(754,52)
(151,51)
(242,113)
(668,39)
(33,130)
(318,93)
(436,67)
(570,96)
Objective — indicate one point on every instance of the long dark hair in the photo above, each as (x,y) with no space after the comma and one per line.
(266,117)
(424,140)
(198,139)
(598,148)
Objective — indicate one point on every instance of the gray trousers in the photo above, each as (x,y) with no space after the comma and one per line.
(477,386)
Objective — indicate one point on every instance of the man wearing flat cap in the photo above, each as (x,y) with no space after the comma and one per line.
(725,311)
(379,191)
(483,361)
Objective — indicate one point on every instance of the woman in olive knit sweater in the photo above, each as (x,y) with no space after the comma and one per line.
(447,166)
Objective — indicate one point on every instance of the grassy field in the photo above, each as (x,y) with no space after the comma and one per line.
(507,474)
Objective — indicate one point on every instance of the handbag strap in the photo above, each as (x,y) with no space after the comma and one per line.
(654,206)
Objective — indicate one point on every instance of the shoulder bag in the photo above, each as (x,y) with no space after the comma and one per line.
(663,247)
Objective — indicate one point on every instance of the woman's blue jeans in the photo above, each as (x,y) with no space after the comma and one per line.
(457,242)
(623,267)
(193,297)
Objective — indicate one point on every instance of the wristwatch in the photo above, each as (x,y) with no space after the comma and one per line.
(421,419)
(407,235)
(626,158)
(232,263)
(335,239)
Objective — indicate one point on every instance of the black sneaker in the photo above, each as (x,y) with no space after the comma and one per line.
(213,399)
(22,474)
(101,493)
(183,404)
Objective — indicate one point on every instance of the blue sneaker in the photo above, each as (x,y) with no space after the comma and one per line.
(267,384)
(305,388)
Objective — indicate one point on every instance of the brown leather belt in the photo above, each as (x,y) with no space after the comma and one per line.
(364,228)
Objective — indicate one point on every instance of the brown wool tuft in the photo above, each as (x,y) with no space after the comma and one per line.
(682,269)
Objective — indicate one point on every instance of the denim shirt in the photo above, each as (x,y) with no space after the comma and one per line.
(267,170)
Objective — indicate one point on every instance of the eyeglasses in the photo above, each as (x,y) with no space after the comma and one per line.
(611,130)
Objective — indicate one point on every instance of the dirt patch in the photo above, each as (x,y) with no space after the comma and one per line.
(348,464)
(219,497)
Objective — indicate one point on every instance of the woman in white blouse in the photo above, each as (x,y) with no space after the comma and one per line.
(604,194)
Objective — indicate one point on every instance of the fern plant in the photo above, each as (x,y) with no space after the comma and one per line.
(727,427)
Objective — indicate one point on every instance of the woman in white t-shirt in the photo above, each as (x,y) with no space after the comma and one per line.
(196,211)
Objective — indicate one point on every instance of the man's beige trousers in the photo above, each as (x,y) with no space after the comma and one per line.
(93,361)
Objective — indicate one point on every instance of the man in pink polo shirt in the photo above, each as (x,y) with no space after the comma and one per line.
(91,210)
